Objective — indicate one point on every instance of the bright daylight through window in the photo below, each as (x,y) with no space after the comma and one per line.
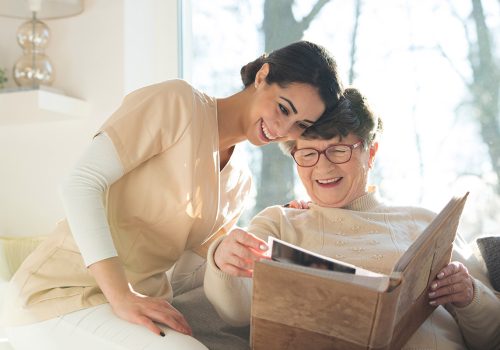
(429,68)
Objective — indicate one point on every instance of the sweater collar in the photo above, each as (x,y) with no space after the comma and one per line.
(366,202)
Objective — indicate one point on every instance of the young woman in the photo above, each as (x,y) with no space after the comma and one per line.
(158,179)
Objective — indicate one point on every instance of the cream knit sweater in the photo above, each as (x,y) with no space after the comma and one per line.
(373,236)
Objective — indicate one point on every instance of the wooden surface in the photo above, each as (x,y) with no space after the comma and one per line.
(311,303)
(418,311)
(270,335)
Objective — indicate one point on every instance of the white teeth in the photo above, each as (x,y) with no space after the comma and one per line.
(329,180)
(266,132)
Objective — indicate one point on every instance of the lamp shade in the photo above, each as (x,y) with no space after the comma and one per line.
(45,9)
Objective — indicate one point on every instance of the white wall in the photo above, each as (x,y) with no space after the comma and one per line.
(113,47)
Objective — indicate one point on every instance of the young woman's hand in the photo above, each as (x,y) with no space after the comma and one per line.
(132,306)
(145,311)
(298,204)
(453,284)
(238,251)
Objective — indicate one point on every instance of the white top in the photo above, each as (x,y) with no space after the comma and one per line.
(82,193)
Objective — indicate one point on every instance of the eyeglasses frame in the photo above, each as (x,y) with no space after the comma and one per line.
(351,147)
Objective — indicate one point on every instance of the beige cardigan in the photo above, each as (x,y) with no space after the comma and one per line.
(373,236)
(171,198)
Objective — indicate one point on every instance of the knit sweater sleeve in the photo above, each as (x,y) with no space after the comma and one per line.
(480,320)
(232,296)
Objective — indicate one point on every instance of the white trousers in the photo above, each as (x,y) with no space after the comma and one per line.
(96,328)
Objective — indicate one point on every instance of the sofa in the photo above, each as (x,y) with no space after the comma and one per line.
(186,279)
(190,298)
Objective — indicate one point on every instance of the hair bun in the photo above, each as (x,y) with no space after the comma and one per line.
(249,71)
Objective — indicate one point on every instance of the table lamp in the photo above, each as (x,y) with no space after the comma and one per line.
(34,68)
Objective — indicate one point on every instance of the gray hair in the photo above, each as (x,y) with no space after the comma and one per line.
(351,115)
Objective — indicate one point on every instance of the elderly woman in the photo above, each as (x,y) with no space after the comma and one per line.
(340,223)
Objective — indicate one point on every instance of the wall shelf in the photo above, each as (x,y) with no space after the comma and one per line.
(38,106)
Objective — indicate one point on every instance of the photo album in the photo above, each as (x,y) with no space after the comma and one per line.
(305,300)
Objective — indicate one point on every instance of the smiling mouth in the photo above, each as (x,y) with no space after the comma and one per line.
(329,182)
(266,133)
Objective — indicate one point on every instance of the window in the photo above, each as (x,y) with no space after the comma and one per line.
(423,67)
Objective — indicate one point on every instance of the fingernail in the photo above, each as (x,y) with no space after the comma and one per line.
(162,334)
(431,294)
(440,275)
(434,285)
(263,247)
(432,303)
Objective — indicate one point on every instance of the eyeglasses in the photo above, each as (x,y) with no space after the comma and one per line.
(337,154)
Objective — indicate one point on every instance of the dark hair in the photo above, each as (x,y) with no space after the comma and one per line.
(351,115)
(300,62)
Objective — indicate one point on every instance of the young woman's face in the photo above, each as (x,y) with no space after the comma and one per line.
(279,113)
(337,185)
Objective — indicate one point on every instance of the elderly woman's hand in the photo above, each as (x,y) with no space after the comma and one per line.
(238,251)
(453,284)
(298,204)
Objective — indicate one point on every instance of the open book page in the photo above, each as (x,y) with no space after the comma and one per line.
(296,258)
(423,260)
(379,283)
(441,231)
(288,253)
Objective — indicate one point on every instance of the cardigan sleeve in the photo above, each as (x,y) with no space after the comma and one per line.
(231,296)
(479,321)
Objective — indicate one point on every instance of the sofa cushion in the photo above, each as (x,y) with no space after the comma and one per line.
(490,251)
(13,251)
(207,325)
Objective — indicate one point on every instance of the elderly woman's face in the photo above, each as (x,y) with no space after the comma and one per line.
(337,185)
